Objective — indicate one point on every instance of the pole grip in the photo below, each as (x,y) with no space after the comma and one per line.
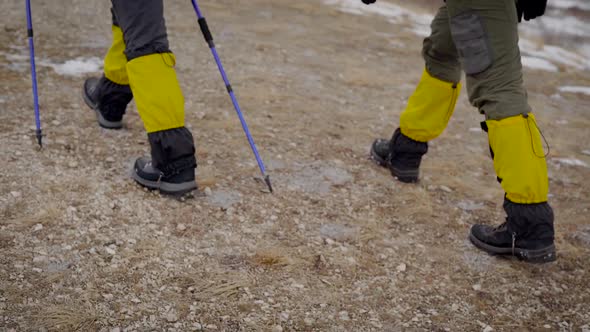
(206,32)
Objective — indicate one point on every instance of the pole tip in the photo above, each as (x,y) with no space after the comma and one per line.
(267,180)
(39,137)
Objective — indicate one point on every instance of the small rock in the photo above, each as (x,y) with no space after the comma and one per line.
(110,159)
(277,328)
(110,251)
(56,123)
(547,326)
(343,315)
(181,227)
(476,287)
(171,317)
(107,297)
(73,164)
(15,194)
(198,326)
(38,227)
(488,329)
(208,191)
(37,270)
(446,189)
(308,321)
(402,267)
(135,300)
(586,152)
(116,329)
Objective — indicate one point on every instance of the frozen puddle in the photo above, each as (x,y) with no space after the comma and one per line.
(317,178)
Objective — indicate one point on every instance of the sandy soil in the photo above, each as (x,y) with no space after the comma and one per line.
(340,246)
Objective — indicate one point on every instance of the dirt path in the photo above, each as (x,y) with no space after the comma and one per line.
(339,247)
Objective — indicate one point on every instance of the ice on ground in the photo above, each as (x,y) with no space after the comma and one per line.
(570,162)
(393,13)
(75,67)
(540,64)
(575,89)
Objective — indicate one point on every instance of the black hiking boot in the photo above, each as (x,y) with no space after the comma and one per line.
(152,178)
(527,233)
(171,168)
(108,100)
(401,154)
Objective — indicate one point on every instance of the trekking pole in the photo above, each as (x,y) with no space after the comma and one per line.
(209,39)
(33,72)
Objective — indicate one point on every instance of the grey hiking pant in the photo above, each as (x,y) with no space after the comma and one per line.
(479,37)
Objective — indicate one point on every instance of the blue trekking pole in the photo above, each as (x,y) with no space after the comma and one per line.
(33,72)
(209,39)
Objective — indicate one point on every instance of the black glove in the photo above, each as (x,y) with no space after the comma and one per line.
(530,9)
(368,2)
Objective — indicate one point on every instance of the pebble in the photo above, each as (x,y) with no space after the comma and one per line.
(181,227)
(38,227)
(476,287)
(488,329)
(116,329)
(277,328)
(73,164)
(446,189)
(344,315)
(171,317)
(207,191)
(402,267)
(15,194)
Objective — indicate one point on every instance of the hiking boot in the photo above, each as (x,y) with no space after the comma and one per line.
(527,233)
(401,154)
(108,100)
(152,178)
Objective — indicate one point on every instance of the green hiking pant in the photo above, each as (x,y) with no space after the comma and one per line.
(479,37)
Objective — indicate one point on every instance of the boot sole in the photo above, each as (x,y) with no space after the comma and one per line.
(174,189)
(539,256)
(104,123)
(406,176)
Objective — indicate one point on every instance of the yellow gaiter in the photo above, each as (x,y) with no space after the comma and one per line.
(519,158)
(429,108)
(115,61)
(156,91)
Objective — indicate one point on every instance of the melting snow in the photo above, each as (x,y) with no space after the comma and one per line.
(536,63)
(75,67)
(570,162)
(575,89)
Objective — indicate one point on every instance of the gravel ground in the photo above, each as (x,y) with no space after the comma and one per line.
(340,246)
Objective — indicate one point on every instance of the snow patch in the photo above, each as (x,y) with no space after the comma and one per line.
(540,64)
(393,13)
(569,4)
(586,152)
(553,54)
(75,67)
(575,89)
(570,162)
